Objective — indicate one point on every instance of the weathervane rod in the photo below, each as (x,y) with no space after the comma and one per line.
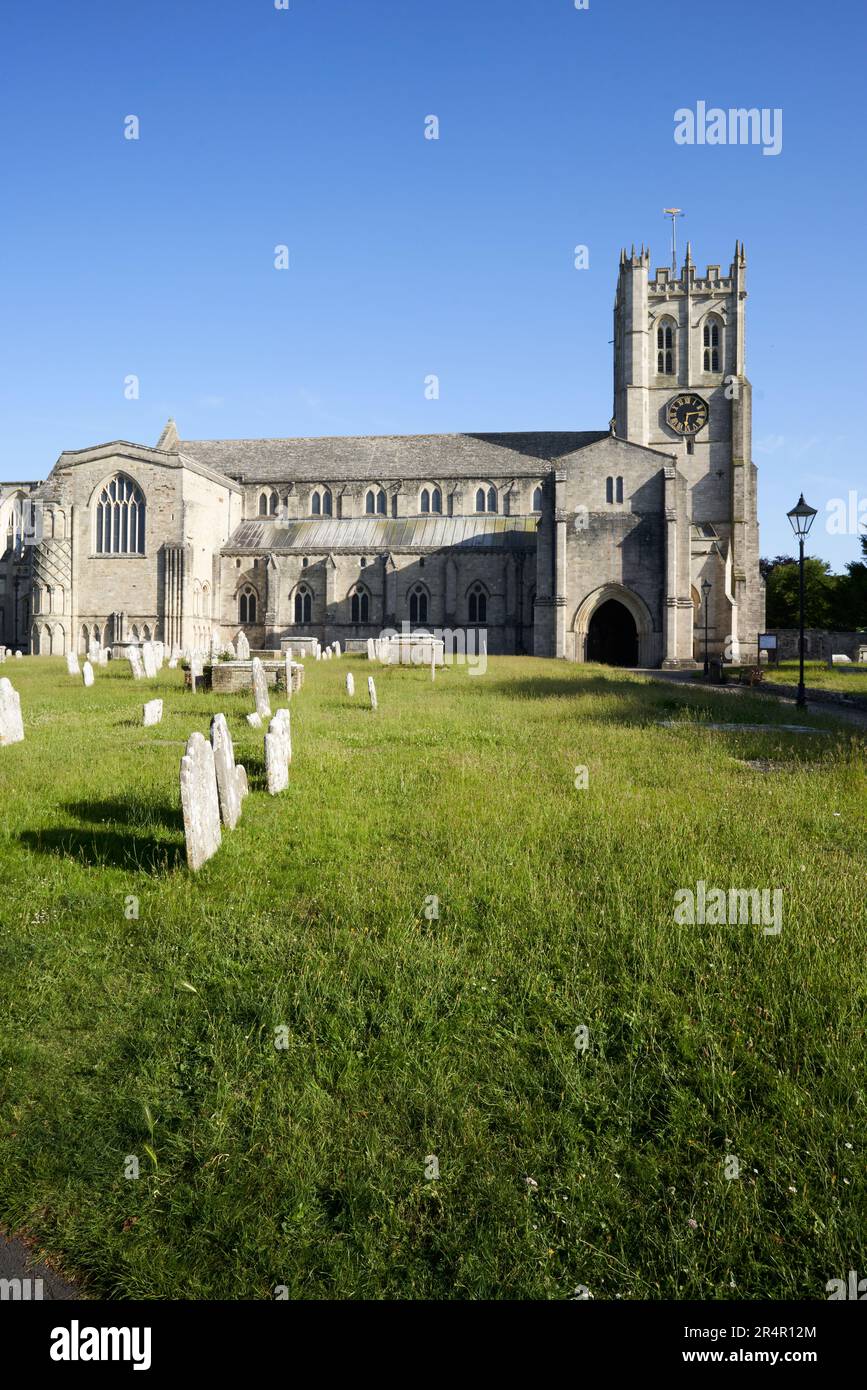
(673,213)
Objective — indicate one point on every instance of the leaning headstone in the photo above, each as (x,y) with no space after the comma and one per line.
(11,723)
(254,720)
(152,712)
(87,673)
(278,751)
(371,690)
(149,658)
(242,646)
(350,683)
(135,663)
(260,689)
(200,801)
(72,664)
(243,785)
(227,777)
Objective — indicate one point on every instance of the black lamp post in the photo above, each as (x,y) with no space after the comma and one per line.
(801,518)
(705,589)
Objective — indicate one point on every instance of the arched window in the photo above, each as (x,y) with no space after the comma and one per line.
(274,504)
(360,605)
(247,606)
(436,501)
(380,503)
(263,504)
(609,489)
(619,489)
(120,518)
(327,503)
(478,604)
(424,505)
(370,503)
(492,499)
(418,605)
(303,605)
(712,343)
(480,500)
(197,598)
(537,499)
(666,342)
(315,505)
(206,600)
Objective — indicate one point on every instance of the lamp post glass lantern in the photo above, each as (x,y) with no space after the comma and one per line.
(801,518)
(705,589)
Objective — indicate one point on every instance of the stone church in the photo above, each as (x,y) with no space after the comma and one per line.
(592,546)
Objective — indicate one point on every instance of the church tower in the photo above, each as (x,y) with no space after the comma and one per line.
(680,386)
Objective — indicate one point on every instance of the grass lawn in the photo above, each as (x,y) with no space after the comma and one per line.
(411,1035)
(851,679)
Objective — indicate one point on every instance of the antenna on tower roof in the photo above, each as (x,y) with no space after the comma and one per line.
(674,214)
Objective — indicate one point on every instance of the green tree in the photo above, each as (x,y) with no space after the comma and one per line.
(820,587)
(851,608)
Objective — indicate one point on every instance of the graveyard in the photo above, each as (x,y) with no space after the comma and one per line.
(425,1025)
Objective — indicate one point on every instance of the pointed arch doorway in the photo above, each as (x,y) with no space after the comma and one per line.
(614,625)
(612,636)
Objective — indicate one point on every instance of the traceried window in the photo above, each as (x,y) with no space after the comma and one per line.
(247,606)
(418,605)
(712,343)
(666,342)
(374,504)
(360,606)
(120,518)
(303,605)
(477,605)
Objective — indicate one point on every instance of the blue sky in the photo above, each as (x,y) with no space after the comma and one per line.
(411,257)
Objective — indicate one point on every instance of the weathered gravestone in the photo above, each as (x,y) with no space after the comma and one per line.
(87,673)
(371,690)
(11,723)
(200,801)
(152,712)
(135,663)
(173,662)
(278,751)
(242,646)
(93,652)
(243,785)
(350,683)
(215,646)
(72,664)
(197,668)
(149,658)
(336,648)
(103,656)
(159,654)
(260,689)
(228,775)
(288,670)
(371,649)
(254,720)
(228,651)
(18,656)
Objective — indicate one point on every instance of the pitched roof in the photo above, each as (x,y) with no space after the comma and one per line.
(325,534)
(369,458)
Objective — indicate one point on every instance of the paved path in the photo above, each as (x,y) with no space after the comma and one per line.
(856,717)
(17,1262)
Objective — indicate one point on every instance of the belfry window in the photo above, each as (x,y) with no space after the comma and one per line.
(120,518)
(666,334)
(712,344)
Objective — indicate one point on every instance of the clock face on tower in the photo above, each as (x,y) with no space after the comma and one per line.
(686,414)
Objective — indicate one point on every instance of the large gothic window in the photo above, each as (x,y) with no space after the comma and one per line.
(360,606)
(247,606)
(418,605)
(712,343)
(478,604)
(666,343)
(120,518)
(303,606)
